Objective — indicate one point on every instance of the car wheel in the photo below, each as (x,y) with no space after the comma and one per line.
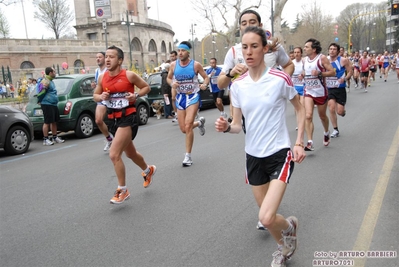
(142,111)
(17,140)
(85,126)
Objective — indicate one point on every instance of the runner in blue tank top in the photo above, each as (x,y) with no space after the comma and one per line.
(183,77)
(337,86)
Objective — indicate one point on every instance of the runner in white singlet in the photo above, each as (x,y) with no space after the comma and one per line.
(316,68)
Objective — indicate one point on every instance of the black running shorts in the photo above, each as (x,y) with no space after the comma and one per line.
(277,166)
(339,94)
(126,121)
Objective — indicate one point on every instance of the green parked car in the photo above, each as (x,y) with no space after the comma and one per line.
(76,106)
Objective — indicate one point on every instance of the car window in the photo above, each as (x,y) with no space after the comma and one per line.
(154,79)
(63,85)
(85,87)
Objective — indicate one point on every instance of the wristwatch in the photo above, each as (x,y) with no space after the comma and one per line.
(228,74)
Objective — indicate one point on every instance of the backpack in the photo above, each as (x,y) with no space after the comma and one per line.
(41,88)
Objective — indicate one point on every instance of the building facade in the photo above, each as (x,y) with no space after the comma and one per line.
(392,25)
(145,42)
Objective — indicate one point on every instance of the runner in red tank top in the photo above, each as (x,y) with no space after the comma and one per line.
(116,89)
(364,65)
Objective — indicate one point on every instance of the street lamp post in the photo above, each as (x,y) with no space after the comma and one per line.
(128,24)
(192,38)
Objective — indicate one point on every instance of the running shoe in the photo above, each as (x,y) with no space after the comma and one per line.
(47,142)
(148,177)
(260,226)
(278,259)
(309,146)
(108,143)
(201,125)
(187,162)
(334,134)
(120,196)
(58,140)
(174,119)
(326,140)
(290,239)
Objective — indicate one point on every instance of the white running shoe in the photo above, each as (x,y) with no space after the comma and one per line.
(309,146)
(278,259)
(58,140)
(108,143)
(334,134)
(201,125)
(174,119)
(187,162)
(260,226)
(47,142)
(290,239)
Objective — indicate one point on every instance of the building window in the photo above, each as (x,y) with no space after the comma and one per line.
(92,36)
(78,66)
(27,65)
(136,45)
(152,47)
(163,47)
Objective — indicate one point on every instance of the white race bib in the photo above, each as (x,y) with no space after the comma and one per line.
(117,101)
(214,79)
(296,81)
(186,88)
(332,82)
(313,83)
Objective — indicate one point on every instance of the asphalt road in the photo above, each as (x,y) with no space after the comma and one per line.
(55,211)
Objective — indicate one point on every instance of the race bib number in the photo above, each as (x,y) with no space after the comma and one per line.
(312,83)
(186,88)
(296,81)
(117,101)
(332,82)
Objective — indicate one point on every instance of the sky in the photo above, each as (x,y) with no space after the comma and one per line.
(165,12)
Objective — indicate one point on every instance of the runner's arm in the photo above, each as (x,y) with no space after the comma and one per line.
(223,80)
(97,94)
(200,70)
(139,82)
(330,71)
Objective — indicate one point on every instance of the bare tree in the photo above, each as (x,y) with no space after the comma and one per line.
(278,9)
(313,24)
(223,15)
(4,26)
(367,23)
(55,14)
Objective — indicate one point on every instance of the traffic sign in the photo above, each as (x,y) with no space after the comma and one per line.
(103,9)
(268,34)
(103,12)
(98,3)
